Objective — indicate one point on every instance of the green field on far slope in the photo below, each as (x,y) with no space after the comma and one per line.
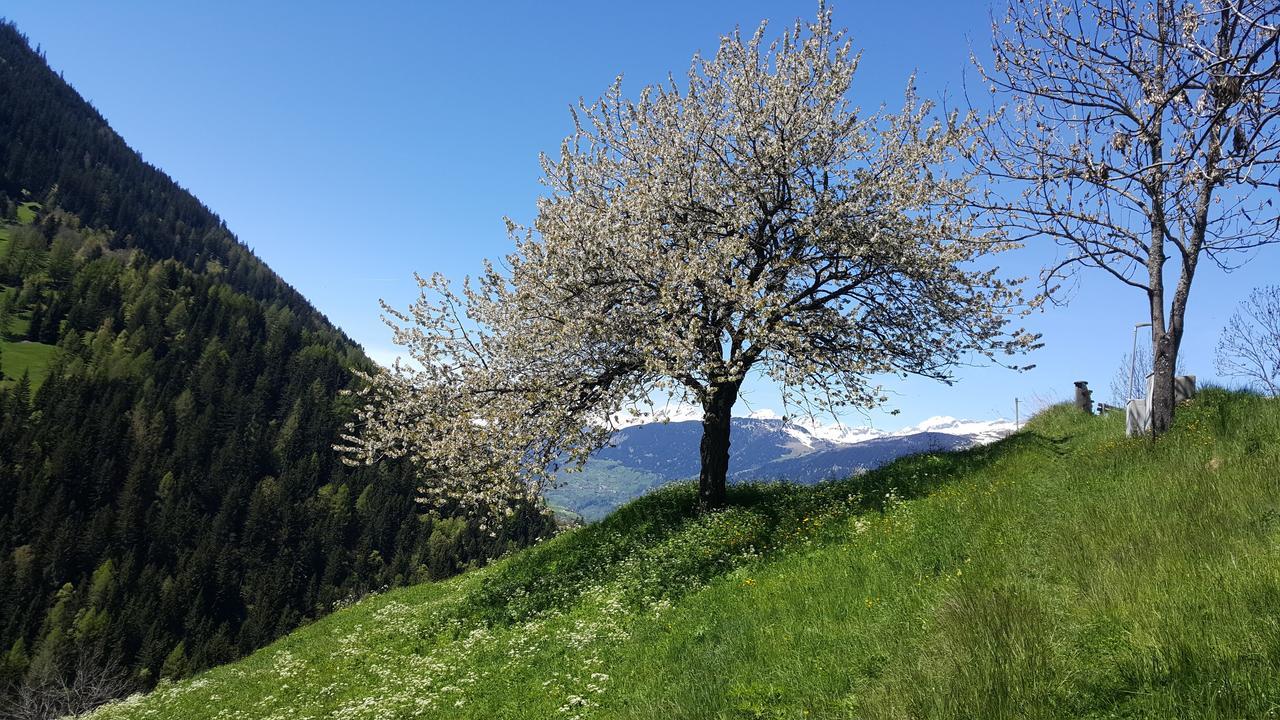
(20,356)
(16,356)
(1064,572)
(27,212)
(31,358)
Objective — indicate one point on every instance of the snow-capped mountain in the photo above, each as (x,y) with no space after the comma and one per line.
(981,431)
(765,447)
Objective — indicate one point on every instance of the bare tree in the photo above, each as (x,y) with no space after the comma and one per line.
(750,221)
(1130,378)
(1249,346)
(1139,132)
(92,682)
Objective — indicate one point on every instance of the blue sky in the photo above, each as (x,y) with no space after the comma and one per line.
(350,146)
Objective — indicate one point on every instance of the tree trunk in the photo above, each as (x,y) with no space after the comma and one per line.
(1162,348)
(1162,365)
(1166,346)
(717,407)
(1163,352)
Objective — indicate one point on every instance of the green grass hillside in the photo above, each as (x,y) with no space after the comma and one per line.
(1064,572)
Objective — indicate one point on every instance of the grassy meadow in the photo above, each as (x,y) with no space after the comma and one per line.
(17,356)
(27,212)
(1065,572)
(31,358)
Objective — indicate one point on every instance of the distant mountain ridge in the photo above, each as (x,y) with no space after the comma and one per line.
(642,457)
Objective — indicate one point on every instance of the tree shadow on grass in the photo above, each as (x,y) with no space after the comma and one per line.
(664,530)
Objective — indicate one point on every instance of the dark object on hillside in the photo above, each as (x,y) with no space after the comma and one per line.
(1084,396)
(1107,407)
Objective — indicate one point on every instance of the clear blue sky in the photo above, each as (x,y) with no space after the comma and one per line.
(351,145)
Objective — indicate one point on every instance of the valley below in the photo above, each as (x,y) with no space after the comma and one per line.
(643,457)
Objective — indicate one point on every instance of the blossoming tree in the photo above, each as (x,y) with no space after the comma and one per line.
(751,221)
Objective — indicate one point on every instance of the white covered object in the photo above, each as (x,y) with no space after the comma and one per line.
(1137,413)
(1137,416)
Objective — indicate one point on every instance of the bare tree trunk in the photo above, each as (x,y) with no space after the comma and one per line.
(1162,383)
(1162,345)
(717,407)
(1161,355)
(1166,332)
(1171,342)
(1162,348)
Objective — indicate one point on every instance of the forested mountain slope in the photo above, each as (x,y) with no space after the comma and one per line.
(1064,572)
(169,497)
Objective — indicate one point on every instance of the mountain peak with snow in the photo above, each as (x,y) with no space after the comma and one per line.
(811,432)
(659,447)
(982,430)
